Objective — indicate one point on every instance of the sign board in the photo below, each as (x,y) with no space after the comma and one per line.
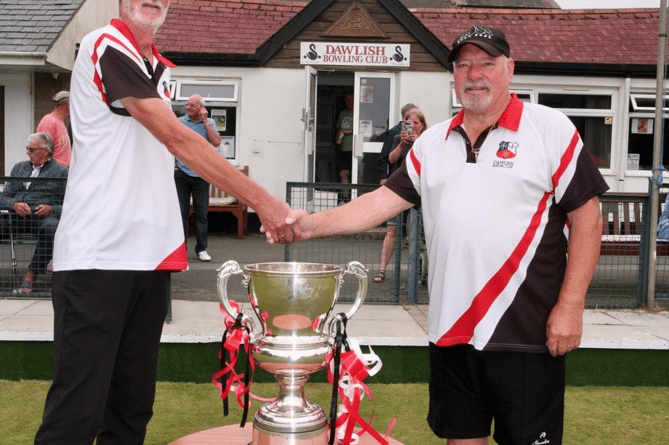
(354,54)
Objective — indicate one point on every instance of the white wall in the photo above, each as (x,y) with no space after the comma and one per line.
(269,137)
(93,14)
(18,116)
(270,129)
(430,91)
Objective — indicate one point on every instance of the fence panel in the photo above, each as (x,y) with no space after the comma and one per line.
(26,242)
(620,279)
(364,247)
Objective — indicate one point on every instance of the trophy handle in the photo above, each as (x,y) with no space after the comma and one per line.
(357,269)
(229,268)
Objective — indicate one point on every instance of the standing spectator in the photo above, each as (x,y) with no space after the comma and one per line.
(388,137)
(345,142)
(402,143)
(35,206)
(189,183)
(120,235)
(509,198)
(54,124)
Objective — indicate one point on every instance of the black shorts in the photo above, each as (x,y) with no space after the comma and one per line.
(522,392)
(344,160)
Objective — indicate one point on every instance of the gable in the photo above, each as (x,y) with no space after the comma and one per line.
(381,26)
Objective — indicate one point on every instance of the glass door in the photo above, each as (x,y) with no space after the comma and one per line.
(373,113)
(309,117)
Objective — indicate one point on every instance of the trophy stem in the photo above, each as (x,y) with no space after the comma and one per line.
(291,418)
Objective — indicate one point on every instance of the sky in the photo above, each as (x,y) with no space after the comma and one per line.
(607,4)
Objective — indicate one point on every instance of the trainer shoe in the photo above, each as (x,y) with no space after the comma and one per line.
(203,256)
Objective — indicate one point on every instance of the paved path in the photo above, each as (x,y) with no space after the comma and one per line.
(374,324)
(196,317)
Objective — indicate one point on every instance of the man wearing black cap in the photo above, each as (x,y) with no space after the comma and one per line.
(510,205)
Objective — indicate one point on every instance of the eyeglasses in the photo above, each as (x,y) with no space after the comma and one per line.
(33,150)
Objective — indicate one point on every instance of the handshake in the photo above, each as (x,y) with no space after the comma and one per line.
(285,226)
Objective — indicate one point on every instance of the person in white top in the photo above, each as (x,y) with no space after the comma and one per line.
(509,198)
(120,234)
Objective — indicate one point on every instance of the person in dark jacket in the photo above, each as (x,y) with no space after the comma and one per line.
(35,206)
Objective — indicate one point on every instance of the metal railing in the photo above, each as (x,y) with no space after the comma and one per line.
(620,280)
(26,243)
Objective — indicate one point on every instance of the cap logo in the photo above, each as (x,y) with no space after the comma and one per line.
(476,31)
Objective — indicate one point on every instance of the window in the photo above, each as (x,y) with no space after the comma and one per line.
(592,115)
(221,101)
(641,137)
(218,91)
(646,102)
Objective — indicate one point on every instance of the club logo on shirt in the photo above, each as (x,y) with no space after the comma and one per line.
(506,152)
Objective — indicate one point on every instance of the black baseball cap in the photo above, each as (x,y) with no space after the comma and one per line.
(490,40)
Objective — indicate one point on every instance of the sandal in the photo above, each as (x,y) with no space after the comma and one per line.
(380,276)
(26,288)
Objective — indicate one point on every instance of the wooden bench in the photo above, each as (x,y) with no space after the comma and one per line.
(219,201)
(621,232)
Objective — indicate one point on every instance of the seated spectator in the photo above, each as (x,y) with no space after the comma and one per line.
(663,223)
(35,206)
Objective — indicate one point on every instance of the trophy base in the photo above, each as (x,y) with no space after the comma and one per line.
(234,435)
(262,437)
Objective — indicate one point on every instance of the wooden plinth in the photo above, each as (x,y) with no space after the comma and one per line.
(234,435)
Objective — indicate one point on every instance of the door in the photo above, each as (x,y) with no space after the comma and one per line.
(309,118)
(373,113)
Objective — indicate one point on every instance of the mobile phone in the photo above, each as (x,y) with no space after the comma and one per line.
(408,125)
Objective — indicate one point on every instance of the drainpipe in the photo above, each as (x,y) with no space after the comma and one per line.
(657,146)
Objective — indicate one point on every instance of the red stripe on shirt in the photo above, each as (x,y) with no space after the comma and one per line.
(415,162)
(566,159)
(176,261)
(462,330)
(94,57)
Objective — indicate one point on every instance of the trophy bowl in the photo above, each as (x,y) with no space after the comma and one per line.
(293,305)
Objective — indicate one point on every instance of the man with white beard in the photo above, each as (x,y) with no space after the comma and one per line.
(121,236)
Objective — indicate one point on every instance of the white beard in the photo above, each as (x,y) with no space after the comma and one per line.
(133,11)
(479,102)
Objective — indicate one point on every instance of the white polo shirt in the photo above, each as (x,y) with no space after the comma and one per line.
(121,210)
(496,228)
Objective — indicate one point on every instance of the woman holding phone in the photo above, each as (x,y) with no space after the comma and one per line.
(414,125)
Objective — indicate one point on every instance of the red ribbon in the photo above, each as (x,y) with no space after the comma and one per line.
(235,338)
(351,389)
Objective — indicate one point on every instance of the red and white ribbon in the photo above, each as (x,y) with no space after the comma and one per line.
(356,367)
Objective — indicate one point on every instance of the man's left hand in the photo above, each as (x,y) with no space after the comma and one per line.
(43,210)
(564,329)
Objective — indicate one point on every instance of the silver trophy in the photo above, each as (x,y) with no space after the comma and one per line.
(293,304)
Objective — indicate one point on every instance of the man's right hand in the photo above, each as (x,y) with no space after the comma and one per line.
(22,209)
(273,219)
